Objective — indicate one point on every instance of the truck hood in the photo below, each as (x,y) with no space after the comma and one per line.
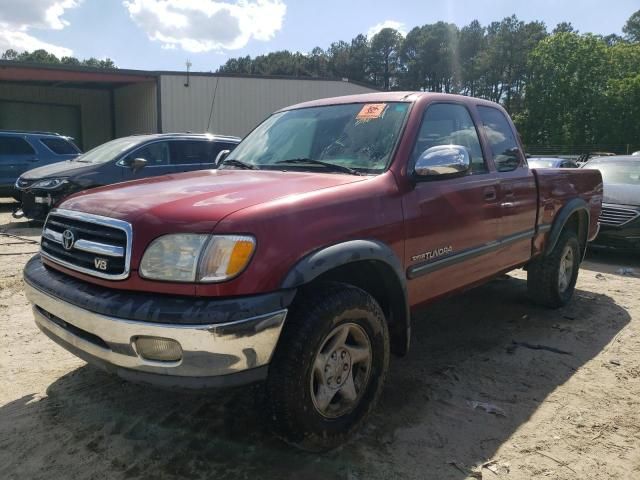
(622,194)
(58,169)
(198,199)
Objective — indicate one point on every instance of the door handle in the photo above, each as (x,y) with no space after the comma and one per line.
(490,194)
(507,204)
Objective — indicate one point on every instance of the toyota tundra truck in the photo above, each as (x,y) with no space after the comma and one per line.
(300,260)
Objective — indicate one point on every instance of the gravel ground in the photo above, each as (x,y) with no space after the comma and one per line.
(564,412)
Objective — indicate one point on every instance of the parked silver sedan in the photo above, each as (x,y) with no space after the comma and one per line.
(551,162)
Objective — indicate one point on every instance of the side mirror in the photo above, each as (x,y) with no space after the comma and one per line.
(137,164)
(221,156)
(443,161)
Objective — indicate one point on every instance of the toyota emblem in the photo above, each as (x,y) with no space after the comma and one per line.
(68,239)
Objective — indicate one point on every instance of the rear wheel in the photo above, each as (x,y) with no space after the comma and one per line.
(551,279)
(328,370)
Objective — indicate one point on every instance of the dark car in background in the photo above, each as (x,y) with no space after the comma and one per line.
(120,160)
(21,151)
(620,218)
(551,162)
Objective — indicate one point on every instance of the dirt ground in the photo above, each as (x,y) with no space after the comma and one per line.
(571,411)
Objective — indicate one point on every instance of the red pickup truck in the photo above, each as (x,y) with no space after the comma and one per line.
(301,258)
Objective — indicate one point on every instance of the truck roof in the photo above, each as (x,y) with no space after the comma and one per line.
(382,97)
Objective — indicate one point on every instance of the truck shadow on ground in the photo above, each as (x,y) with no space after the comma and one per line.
(92,425)
(622,263)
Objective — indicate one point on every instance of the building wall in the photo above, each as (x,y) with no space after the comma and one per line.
(136,109)
(240,103)
(94,107)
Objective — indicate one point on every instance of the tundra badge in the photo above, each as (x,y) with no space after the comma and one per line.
(436,252)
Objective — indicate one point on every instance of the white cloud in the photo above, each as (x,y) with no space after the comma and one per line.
(387,24)
(206,25)
(21,41)
(19,17)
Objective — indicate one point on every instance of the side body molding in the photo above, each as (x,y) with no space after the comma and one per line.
(375,252)
(575,205)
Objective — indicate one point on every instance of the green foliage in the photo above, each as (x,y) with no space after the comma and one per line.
(565,88)
(582,90)
(42,56)
(632,28)
(384,57)
(430,56)
(568,74)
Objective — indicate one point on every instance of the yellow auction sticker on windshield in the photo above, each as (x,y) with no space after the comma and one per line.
(371,111)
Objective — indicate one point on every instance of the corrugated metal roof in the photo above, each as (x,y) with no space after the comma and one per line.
(132,76)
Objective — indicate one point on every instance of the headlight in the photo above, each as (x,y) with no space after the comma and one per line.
(192,257)
(225,257)
(50,183)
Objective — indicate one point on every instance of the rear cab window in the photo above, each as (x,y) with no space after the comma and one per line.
(501,138)
(10,145)
(59,146)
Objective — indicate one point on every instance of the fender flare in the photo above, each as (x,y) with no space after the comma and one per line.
(560,220)
(326,259)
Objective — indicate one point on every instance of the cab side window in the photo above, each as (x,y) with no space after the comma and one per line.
(450,124)
(156,154)
(506,153)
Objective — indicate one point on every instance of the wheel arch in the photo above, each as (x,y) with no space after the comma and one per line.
(575,214)
(367,264)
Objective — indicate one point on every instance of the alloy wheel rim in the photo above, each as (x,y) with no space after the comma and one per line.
(340,371)
(566,268)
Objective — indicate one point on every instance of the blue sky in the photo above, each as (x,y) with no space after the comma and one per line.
(163,34)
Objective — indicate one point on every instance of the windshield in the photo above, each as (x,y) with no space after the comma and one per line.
(626,172)
(108,151)
(359,136)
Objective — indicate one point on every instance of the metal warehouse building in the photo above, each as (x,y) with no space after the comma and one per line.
(94,105)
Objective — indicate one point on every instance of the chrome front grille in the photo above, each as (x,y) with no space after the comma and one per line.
(91,244)
(617,216)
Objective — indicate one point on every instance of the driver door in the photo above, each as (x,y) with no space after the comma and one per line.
(451,222)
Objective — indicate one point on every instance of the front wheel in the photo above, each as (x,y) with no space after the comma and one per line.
(551,280)
(328,370)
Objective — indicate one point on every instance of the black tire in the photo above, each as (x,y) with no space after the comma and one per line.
(317,312)
(543,274)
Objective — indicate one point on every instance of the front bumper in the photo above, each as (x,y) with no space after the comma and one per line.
(625,238)
(36,205)
(213,354)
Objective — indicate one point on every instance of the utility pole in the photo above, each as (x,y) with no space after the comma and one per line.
(188,64)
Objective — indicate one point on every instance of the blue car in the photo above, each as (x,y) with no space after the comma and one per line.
(22,151)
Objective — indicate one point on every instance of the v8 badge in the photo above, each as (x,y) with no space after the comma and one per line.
(100,263)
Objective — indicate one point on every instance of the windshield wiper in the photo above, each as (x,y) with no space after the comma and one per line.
(331,166)
(238,163)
